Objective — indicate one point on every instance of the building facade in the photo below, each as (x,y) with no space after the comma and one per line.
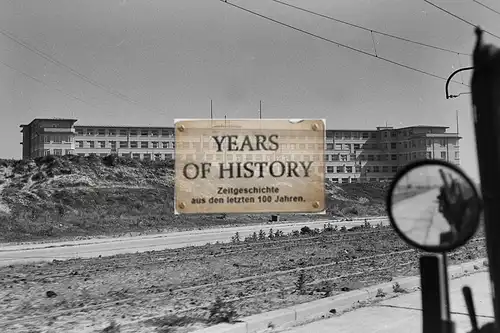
(351,155)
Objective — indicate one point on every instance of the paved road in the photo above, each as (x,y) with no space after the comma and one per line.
(404,314)
(419,219)
(106,247)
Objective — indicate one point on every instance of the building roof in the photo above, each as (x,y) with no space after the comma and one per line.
(379,128)
(125,126)
(50,119)
(422,126)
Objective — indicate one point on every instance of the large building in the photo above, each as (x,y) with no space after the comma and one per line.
(351,155)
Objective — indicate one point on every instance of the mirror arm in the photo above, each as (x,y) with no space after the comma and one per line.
(435,298)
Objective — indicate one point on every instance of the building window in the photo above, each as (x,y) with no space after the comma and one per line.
(335,180)
(133,144)
(358,168)
(355,135)
(166,144)
(345,180)
(147,157)
(123,144)
(366,135)
(394,169)
(157,157)
(394,157)
(354,180)
(56,139)
(340,169)
(376,168)
(338,135)
(335,157)
(352,157)
(393,145)
(133,132)
(101,132)
(58,152)
(79,131)
(136,156)
(113,144)
(428,155)
(443,155)
(457,155)
(123,132)
(357,146)
(349,169)
(112,132)
(154,133)
(166,133)
(90,144)
(79,144)
(155,144)
(343,158)
(371,158)
(102,144)
(374,135)
(173,144)
(347,135)
(144,133)
(144,144)
(385,168)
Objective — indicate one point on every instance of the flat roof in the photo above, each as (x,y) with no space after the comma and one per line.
(48,119)
(377,129)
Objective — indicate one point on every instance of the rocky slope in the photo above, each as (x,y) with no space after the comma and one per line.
(72,195)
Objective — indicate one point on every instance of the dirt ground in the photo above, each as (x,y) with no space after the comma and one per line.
(176,290)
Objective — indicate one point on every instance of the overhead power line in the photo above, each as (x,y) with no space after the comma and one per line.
(369,30)
(487,7)
(340,44)
(459,18)
(45,84)
(68,68)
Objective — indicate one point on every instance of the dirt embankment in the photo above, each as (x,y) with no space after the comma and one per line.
(56,197)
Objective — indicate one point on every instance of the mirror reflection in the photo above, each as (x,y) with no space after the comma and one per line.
(435,206)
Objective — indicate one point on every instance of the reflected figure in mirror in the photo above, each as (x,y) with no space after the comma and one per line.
(455,207)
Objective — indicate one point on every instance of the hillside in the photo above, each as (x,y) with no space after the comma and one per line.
(52,197)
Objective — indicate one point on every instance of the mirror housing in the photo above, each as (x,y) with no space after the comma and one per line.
(433,206)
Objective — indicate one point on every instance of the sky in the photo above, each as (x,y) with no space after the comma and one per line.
(150,62)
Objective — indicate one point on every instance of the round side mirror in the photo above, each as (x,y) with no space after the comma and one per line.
(434,206)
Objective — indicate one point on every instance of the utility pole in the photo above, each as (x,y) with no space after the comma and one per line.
(211,111)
